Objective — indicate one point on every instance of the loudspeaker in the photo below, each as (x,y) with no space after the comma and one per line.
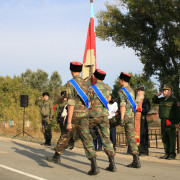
(24,101)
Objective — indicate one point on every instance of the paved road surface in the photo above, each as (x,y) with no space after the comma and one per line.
(20,160)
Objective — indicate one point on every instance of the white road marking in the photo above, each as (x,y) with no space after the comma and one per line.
(21,172)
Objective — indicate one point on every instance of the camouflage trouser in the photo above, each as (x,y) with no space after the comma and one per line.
(46,129)
(103,125)
(81,127)
(129,130)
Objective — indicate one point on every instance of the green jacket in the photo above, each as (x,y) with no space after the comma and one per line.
(80,109)
(167,108)
(46,108)
(97,109)
(123,101)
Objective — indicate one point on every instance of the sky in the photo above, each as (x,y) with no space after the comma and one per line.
(49,34)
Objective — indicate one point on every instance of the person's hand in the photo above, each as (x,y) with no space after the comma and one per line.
(39,98)
(69,126)
(121,123)
(176,125)
(50,119)
(158,94)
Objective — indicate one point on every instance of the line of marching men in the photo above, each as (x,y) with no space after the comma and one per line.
(88,108)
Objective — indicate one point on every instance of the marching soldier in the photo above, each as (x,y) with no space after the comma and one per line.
(127,105)
(78,121)
(98,115)
(46,109)
(167,114)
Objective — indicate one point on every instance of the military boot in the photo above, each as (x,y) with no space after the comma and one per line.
(94,169)
(55,158)
(111,166)
(48,142)
(136,162)
(45,143)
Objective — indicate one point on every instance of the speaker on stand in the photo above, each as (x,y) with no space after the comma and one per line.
(24,104)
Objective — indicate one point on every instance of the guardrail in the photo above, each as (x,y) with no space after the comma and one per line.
(154,135)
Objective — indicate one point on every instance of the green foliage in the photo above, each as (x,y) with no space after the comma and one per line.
(152,29)
(32,84)
(137,79)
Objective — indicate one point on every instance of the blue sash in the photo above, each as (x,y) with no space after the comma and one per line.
(100,96)
(133,104)
(80,92)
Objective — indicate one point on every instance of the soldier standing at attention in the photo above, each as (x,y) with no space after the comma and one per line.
(167,114)
(127,105)
(98,115)
(46,109)
(78,121)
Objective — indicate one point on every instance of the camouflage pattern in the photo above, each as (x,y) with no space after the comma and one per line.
(80,126)
(168,110)
(75,100)
(102,123)
(128,118)
(80,121)
(46,109)
(97,109)
(98,116)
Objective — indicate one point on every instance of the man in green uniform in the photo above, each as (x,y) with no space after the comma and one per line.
(126,103)
(167,114)
(98,115)
(46,109)
(78,121)
(62,114)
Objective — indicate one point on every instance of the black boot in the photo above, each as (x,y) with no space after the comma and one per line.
(48,142)
(136,162)
(111,166)
(45,143)
(55,158)
(94,169)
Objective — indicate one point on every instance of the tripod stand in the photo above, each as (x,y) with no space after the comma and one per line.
(23,132)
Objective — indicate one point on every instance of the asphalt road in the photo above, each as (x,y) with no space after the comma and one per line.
(20,160)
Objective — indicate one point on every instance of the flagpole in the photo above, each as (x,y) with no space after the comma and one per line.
(92,15)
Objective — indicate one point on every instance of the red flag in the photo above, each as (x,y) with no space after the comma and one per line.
(89,60)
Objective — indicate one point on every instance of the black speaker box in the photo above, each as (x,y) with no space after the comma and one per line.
(24,101)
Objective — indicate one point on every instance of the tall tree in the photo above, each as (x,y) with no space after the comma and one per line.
(151,28)
(136,80)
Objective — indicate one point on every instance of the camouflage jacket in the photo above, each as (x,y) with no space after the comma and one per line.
(80,109)
(46,108)
(123,101)
(97,109)
(167,108)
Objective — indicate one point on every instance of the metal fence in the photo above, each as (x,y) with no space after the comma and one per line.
(154,139)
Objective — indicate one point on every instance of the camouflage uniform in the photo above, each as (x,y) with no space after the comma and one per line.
(128,118)
(98,116)
(168,110)
(80,121)
(46,109)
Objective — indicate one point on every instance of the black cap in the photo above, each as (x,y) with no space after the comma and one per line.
(76,66)
(126,77)
(45,94)
(99,74)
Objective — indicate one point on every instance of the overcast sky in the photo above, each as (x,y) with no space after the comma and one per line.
(49,34)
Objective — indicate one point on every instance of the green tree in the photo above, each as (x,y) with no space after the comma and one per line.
(136,80)
(35,80)
(152,29)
